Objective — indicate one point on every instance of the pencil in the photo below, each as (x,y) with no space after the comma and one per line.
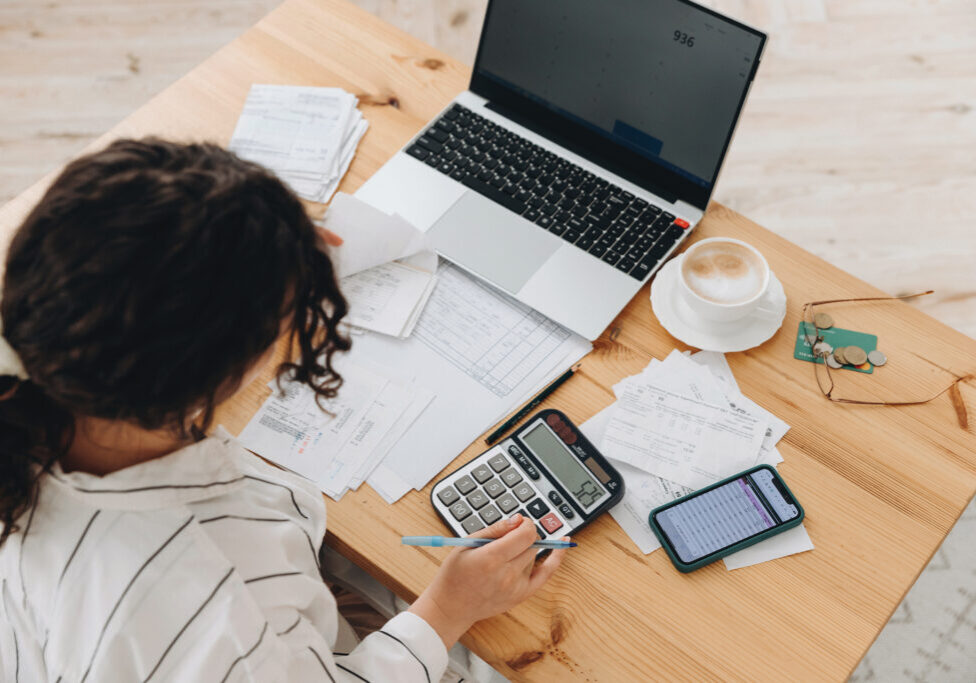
(539,398)
(439,541)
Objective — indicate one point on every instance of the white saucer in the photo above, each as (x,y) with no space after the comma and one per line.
(682,324)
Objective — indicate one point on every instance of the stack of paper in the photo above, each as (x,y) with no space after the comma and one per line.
(410,406)
(680,425)
(387,273)
(307,136)
(340,443)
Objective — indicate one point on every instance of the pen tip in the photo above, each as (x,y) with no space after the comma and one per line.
(573,545)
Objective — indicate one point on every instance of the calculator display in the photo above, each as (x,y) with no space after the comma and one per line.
(563,464)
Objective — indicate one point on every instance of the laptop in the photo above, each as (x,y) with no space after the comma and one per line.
(583,153)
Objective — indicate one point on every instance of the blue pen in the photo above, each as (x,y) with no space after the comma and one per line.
(440,541)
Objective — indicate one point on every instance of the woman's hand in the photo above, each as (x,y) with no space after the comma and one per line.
(329,237)
(477,583)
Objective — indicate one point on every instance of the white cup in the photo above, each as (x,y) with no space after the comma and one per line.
(710,309)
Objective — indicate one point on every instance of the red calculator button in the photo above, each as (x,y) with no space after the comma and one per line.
(681,223)
(550,523)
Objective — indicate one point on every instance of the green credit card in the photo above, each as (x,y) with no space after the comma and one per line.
(836,337)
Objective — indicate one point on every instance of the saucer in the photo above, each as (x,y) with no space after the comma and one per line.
(738,335)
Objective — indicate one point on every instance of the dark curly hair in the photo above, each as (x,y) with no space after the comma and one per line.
(143,286)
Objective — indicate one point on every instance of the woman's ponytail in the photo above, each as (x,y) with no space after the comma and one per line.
(34,433)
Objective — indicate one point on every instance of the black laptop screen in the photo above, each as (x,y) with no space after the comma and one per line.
(662,78)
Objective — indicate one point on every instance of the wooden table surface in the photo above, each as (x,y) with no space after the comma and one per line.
(881,486)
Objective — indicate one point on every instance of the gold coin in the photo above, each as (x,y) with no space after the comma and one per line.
(839,355)
(823,321)
(855,355)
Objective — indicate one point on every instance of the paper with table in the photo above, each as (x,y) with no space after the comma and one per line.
(410,406)
(306,135)
(679,425)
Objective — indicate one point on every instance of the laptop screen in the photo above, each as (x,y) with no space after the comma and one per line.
(664,79)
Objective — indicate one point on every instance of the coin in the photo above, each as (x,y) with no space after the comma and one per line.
(877,358)
(822,349)
(855,355)
(834,363)
(839,355)
(823,321)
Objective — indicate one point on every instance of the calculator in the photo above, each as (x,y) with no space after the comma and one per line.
(546,470)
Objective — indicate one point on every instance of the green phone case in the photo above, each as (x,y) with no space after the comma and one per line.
(719,554)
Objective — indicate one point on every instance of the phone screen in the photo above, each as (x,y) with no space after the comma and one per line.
(721,517)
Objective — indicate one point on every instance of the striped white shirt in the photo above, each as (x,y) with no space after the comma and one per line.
(198,566)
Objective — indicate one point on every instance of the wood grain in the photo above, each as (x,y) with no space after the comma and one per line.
(881,487)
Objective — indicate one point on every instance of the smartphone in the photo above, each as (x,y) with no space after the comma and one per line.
(725,517)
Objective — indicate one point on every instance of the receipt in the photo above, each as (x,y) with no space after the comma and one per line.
(681,439)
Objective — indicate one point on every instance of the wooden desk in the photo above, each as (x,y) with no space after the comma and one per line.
(881,486)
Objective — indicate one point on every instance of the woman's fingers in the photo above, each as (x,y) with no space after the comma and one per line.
(329,237)
(499,528)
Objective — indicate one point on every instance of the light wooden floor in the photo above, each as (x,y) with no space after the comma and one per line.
(858,142)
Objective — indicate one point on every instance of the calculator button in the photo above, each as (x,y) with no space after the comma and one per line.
(507,503)
(512,477)
(465,485)
(481,474)
(523,492)
(516,453)
(537,508)
(448,495)
(472,524)
(531,471)
(551,523)
(494,488)
(566,511)
(478,499)
(460,510)
(554,497)
(490,514)
(498,463)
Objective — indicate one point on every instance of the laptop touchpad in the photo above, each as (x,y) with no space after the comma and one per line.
(492,241)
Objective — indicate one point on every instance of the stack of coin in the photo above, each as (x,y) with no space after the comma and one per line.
(853,355)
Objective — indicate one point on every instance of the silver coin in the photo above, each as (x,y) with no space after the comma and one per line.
(822,349)
(877,358)
(833,362)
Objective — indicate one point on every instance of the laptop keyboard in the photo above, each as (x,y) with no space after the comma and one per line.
(587,211)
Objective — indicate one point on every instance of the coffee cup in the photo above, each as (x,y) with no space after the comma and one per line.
(722,279)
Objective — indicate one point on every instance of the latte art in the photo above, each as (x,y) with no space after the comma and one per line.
(723,272)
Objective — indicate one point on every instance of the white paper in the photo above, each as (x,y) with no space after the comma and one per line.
(482,353)
(338,447)
(387,298)
(369,236)
(306,135)
(789,542)
(642,491)
(680,439)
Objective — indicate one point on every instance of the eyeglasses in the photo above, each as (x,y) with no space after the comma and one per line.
(825,380)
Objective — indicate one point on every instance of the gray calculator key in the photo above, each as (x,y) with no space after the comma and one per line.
(512,477)
(460,510)
(507,503)
(472,524)
(448,495)
(523,491)
(481,473)
(498,463)
(490,514)
(478,499)
(494,488)
(465,485)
